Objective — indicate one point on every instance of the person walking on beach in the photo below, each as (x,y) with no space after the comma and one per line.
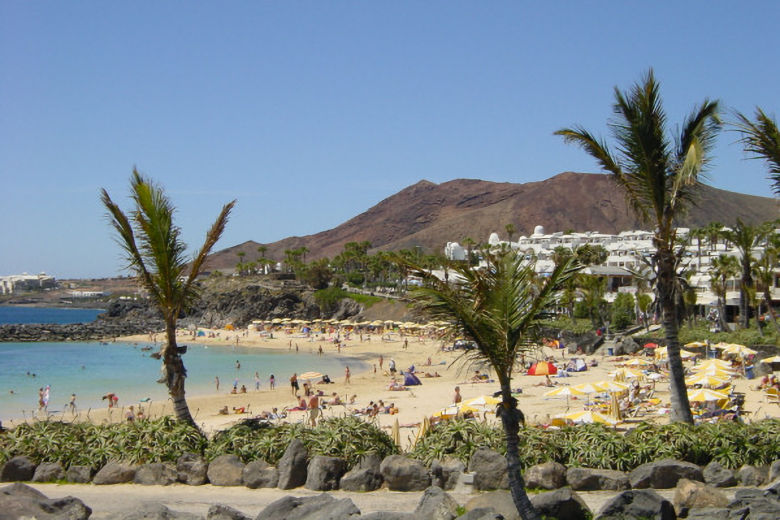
(272,382)
(235,385)
(257,381)
(46,395)
(216,380)
(314,409)
(457,398)
(381,361)
(294,383)
(346,375)
(72,403)
(40,399)
(392,366)
(320,350)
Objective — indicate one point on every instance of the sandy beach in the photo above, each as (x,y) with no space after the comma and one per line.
(416,402)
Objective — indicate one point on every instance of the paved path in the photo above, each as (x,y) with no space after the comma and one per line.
(107,501)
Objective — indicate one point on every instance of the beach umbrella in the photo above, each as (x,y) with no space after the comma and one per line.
(614,407)
(721,345)
(588,417)
(637,362)
(651,345)
(718,363)
(542,368)
(453,410)
(663,353)
(621,374)
(714,371)
(696,344)
(705,394)
(738,350)
(483,401)
(705,380)
(561,391)
(310,375)
(587,388)
(611,386)
(773,361)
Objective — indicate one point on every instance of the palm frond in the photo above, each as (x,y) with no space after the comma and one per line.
(762,139)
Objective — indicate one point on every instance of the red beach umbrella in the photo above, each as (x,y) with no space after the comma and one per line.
(542,368)
(651,345)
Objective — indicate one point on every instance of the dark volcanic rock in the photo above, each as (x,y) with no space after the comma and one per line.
(365,476)
(114,473)
(445,473)
(636,504)
(223,512)
(18,469)
(292,466)
(490,470)
(226,470)
(21,501)
(717,475)
(548,475)
(319,507)
(79,474)
(191,469)
(751,476)
(499,501)
(436,504)
(260,474)
(49,472)
(404,474)
(561,503)
(589,479)
(663,474)
(324,473)
(157,512)
(155,474)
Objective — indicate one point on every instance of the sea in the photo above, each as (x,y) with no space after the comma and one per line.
(94,369)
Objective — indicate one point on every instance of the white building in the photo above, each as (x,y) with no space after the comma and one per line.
(26,282)
(629,251)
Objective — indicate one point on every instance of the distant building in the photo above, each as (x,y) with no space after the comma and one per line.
(24,282)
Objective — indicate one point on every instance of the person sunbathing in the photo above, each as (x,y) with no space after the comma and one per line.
(392,409)
(240,409)
(223,410)
(395,386)
(301,406)
(335,399)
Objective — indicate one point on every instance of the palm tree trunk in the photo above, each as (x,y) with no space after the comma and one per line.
(175,374)
(681,408)
(511,422)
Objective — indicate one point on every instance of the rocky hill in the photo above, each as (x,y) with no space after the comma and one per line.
(429,215)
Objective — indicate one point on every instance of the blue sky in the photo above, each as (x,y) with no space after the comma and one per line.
(312,112)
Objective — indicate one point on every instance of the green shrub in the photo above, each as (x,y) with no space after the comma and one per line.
(622,311)
(597,446)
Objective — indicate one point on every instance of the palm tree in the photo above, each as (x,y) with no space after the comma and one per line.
(713,230)
(510,230)
(262,250)
(155,252)
(745,237)
(764,270)
(722,268)
(659,178)
(499,308)
(762,139)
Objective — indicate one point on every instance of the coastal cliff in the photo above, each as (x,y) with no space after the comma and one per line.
(216,308)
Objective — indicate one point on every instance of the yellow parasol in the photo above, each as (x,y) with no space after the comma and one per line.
(621,374)
(611,386)
(715,371)
(738,350)
(705,380)
(483,401)
(637,362)
(705,394)
(696,344)
(588,417)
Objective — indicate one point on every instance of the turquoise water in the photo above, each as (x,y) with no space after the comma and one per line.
(91,370)
(11,314)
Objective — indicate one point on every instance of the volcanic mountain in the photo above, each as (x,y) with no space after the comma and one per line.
(430,215)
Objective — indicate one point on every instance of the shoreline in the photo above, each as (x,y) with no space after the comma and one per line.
(415,403)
